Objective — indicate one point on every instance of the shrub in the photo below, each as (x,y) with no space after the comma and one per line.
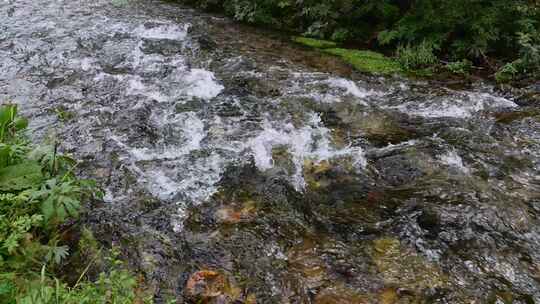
(38,193)
(507,73)
(461,67)
(416,57)
(456,30)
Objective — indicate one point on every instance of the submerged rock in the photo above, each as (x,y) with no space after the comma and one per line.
(210,287)
(404,269)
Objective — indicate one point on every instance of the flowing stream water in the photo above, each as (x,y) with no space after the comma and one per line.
(297,180)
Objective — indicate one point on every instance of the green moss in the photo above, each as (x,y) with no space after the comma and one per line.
(400,266)
(362,60)
(367,61)
(315,43)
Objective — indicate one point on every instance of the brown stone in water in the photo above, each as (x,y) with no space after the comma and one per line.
(205,286)
(210,287)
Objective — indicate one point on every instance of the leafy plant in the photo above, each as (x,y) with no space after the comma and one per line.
(38,192)
(416,57)
(478,31)
(506,73)
(459,67)
(10,123)
(59,199)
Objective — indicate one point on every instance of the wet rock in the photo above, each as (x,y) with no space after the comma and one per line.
(509,117)
(245,85)
(231,215)
(528,96)
(401,267)
(401,169)
(389,296)
(283,160)
(340,295)
(378,127)
(206,42)
(115,57)
(164,47)
(429,220)
(306,260)
(210,287)
(190,105)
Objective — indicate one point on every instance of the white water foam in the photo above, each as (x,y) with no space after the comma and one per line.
(137,87)
(202,84)
(189,127)
(460,106)
(165,31)
(452,159)
(350,88)
(309,142)
(320,87)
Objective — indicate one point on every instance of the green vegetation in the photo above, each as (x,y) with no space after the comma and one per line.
(367,61)
(501,36)
(315,43)
(40,200)
(414,57)
(362,60)
(462,67)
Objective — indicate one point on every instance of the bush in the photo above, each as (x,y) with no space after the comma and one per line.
(416,57)
(457,30)
(459,67)
(507,73)
(38,193)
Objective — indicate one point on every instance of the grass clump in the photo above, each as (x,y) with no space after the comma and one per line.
(362,60)
(367,61)
(315,43)
(416,57)
(40,201)
(462,67)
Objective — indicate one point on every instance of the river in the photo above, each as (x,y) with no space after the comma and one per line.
(270,173)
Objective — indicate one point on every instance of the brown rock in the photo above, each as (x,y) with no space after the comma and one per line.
(210,287)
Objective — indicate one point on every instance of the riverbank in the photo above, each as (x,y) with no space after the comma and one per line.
(46,253)
(497,39)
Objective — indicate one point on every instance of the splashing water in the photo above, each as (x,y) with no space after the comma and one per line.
(168,108)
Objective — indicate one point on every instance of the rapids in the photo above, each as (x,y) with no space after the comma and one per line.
(226,148)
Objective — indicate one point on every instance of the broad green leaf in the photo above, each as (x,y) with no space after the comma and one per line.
(4,155)
(48,208)
(60,199)
(20,177)
(7,113)
(20,123)
(57,253)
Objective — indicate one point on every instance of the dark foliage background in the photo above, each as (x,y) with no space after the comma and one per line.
(477,30)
